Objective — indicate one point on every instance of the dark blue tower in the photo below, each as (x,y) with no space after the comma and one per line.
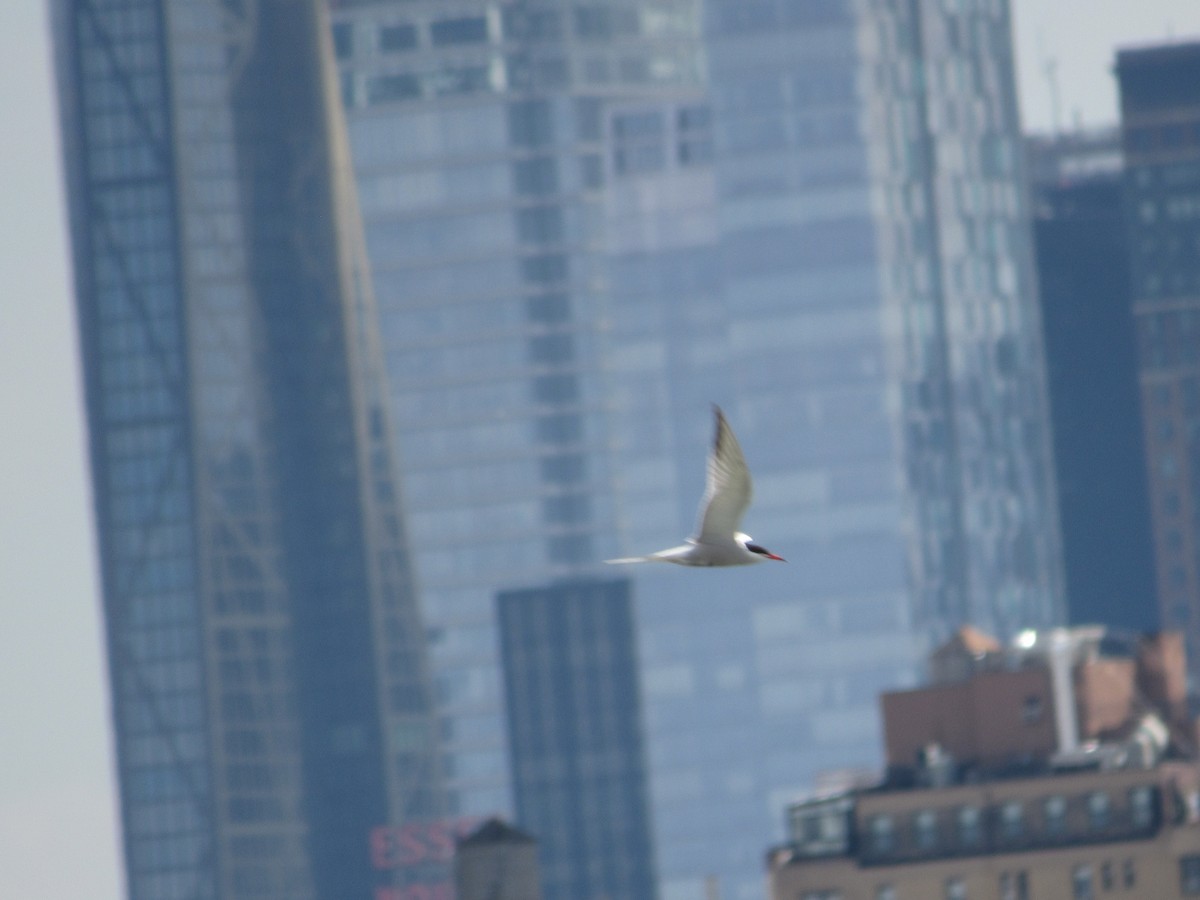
(575,737)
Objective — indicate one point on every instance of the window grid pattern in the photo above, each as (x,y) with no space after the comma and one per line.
(205,592)
(486,255)
(1006,825)
(960,283)
(133,334)
(571,692)
(1161,142)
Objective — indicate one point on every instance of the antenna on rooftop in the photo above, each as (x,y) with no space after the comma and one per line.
(1050,71)
(1050,68)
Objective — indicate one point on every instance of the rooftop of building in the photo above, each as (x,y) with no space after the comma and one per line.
(1126,692)
(1158,52)
(1055,786)
(496,831)
(1073,158)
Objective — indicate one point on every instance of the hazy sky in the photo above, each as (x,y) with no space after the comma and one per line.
(57,811)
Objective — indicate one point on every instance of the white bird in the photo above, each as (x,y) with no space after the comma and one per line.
(717,541)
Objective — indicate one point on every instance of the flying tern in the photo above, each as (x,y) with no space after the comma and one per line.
(717,541)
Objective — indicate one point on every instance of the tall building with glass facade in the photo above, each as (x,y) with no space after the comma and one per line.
(569,655)
(1160,136)
(480,140)
(1083,251)
(270,696)
(588,222)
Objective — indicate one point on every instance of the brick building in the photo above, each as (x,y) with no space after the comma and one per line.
(1060,767)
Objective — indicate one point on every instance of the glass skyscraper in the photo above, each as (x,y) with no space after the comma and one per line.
(271,700)
(1160,136)
(569,655)
(588,222)
(1083,251)
(480,135)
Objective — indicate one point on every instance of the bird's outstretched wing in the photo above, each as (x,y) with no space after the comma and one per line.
(728,489)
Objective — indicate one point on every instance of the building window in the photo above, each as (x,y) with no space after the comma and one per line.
(883,834)
(810,829)
(638,144)
(1189,875)
(1055,813)
(348,85)
(546,268)
(821,895)
(471,30)
(591,170)
(1099,806)
(551,348)
(385,88)
(825,827)
(540,224)
(563,469)
(343,39)
(695,118)
(1141,806)
(885,892)
(639,158)
(1014,885)
(925,827)
(632,125)
(1081,883)
(970,834)
(531,123)
(589,119)
(694,152)
(566,509)
(1012,820)
(1106,875)
(695,135)
(555,388)
(956,889)
(536,177)
(560,428)
(1031,709)
(570,548)
(1128,873)
(460,80)
(394,38)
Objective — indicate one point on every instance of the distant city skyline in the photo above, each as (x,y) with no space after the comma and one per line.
(57,811)
(583,228)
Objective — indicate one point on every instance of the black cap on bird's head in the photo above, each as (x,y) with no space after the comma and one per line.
(762,551)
